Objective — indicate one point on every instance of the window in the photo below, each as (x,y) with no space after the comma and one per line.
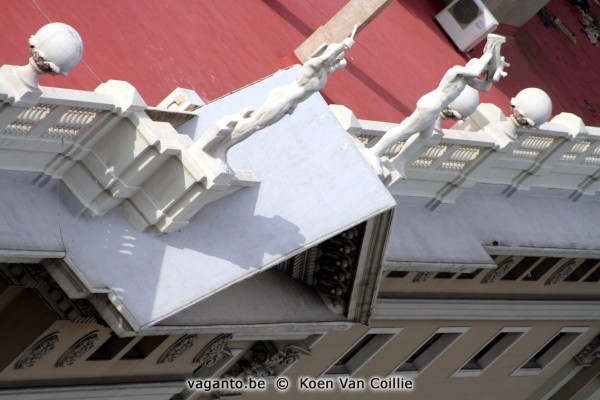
(552,349)
(520,268)
(543,267)
(362,351)
(594,276)
(110,348)
(469,275)
(429,351)
(143,347)
(444,275)
(582,270)
(397,274)
(490,352)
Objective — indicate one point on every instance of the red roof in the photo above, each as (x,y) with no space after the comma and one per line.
(217,46)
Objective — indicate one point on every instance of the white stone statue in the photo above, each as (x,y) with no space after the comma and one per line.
(56,48)
(281,101)
(419,128)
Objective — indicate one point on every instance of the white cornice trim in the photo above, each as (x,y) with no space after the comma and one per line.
(391,265)
(542,252)
(403,309)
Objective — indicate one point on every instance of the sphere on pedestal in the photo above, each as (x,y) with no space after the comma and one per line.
(56,48)
(531,106)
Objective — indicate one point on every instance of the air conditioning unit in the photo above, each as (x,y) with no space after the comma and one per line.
(467,22)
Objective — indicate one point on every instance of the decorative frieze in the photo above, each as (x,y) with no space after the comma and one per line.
(565,270)
(267,358)
(78,350)
(38,351)
(177,349)
(590,353)
(503,267)
(213,351)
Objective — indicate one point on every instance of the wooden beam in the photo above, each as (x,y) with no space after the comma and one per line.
(356,12)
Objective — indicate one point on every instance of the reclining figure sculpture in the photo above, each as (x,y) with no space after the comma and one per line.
(311,78)
(419,129)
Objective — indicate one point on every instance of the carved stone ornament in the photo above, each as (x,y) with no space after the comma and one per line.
(561,273)
(177,349)
(39,350)
(336,267)
(589,353)
(266,359)
(78,350)
(499,271)
(423,276)
(213,351)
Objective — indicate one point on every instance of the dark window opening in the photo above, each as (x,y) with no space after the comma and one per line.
(518,270)
(543,267)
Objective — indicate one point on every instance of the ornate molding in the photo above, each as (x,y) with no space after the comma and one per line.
(213,351)
(78,350)
(590,353)
(267,358)
(336,267)
(498,272)
(423,276)
(38,351)
(177,349)
(36,277)
(330,267)
(560,275)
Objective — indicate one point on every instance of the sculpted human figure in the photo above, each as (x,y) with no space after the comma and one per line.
(419,128)
(281,101)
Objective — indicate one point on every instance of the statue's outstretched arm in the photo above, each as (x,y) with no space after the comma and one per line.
(491,60)
(474,67)
(331,53)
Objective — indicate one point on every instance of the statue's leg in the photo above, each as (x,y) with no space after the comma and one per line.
(394,136)
(413,146)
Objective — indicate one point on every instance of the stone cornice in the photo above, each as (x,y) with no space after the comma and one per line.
(412,309)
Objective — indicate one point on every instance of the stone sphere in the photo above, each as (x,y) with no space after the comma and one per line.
(466,103)
(533,104)
(59,45)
